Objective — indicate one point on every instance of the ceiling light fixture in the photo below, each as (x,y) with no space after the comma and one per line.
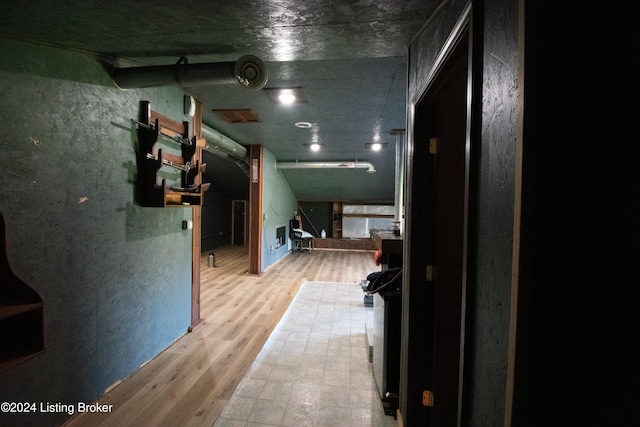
(285,95)
(375,146)
(316,146)
(303,125)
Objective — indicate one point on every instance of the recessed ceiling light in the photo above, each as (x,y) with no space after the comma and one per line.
(303,125)
(286,97)
(316,146)
(375,146)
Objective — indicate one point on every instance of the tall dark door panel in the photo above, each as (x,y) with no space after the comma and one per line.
(436,248)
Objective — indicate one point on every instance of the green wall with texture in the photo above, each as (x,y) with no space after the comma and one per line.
(278,206)
(115,277)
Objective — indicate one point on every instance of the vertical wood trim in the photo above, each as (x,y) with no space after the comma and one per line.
(471,175)
(256,152)
(517,216)
(196,232)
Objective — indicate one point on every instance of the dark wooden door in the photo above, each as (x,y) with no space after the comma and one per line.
(436,247)
(449,117)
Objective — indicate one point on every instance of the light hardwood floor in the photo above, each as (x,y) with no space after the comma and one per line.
(192,380)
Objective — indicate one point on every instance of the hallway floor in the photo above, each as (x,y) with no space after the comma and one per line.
(193,380)
(314,369)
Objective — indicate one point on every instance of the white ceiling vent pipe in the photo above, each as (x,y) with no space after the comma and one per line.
(248,71)
(319,165)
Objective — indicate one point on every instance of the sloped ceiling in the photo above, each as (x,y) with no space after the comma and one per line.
(349,58)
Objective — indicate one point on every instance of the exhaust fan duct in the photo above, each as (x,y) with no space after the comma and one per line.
(248,71)
(319,165)
(225,147)
(217,141)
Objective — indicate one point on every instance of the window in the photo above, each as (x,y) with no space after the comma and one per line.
(359,220)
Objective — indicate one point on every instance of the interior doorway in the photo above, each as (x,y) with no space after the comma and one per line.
(435,259)
(239,222)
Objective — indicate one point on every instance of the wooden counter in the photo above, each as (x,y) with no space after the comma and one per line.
(346,244)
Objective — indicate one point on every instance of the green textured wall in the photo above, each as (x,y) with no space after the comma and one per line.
(114,277)
(278,205)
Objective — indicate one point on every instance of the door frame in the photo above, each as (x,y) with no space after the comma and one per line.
(196,233)
(412,357)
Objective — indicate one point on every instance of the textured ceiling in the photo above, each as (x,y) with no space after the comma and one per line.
(349,58)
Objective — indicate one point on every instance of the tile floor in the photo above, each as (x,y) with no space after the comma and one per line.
(314,369)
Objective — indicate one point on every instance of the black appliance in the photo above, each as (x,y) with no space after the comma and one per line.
(387,312)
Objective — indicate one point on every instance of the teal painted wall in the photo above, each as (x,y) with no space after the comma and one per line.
(279,205)
(115,277)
